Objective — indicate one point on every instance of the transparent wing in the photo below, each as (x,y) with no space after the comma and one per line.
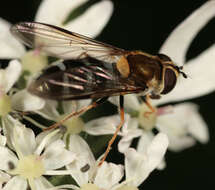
(61,43)
(81,79)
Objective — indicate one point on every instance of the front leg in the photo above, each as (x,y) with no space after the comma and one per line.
(152,109)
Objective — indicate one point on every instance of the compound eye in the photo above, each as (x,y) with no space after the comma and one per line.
(163,57)
(170,79)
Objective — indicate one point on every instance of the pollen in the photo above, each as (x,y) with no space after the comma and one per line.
(149,121)
(34,61)
(89,186)
(30,167)
(74,125)
(5,104)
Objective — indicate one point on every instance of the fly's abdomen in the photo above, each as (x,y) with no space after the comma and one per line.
(80,79)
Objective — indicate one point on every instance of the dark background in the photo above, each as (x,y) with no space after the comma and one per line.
(145,25)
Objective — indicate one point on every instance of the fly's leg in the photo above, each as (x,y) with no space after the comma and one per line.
(79,112)
(152,109)
(122,120)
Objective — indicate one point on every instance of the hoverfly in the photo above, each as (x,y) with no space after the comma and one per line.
(92,69)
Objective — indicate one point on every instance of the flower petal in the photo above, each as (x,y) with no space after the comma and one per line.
(42,183)
(9,46)
(84,157)
(97,16)
(181,132)
(129,132)
(23,140)
(107,125)
(162,165)
(140,165)
(130,101)
(55,12)
(56,156)
(67,186)
(179,40)
(16,183)
(198,128)
(144,141)
(8,124)
(103,125)
(10,75)
(156,150)
(3,140)
(49,110)
(108,175)
(180,143)
(71,106)
(24,101)
(7,157)
(197,68)
(4,178)
(45,138)
(134,167)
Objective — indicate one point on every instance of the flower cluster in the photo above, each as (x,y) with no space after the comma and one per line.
(41,161)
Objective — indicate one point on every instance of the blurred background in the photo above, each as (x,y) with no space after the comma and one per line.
(145,25)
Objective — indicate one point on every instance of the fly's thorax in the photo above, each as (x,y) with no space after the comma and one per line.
(157,72)
(145,70)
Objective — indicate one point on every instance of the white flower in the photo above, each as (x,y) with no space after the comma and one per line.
(21,100)
(200,70)
(104,177)
(138,165)
(182,132)
(90,23)
(167,119)
(171,120)
(50,111)
(107,125)
(10,102)
(10,47)
(75,125)
(31,158)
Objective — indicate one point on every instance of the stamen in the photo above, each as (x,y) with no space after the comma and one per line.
(30,167)
(147,122)
(34,61)
(74,125)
